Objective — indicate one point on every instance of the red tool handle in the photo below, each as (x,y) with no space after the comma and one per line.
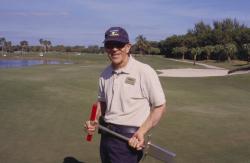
(92,118)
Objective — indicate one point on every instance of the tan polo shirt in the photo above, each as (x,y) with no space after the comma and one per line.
(130,93)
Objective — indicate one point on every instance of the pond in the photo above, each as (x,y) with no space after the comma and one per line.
(25,63)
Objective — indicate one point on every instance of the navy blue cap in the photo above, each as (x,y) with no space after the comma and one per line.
(116,34)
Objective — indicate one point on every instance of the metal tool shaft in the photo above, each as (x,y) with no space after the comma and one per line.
(113,133)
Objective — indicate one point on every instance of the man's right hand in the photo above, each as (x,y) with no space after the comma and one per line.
(90,127)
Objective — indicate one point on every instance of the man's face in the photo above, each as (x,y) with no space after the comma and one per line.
(117,53)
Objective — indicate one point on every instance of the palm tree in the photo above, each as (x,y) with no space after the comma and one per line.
(41,41)
(247,49)
(183,50)
(175,51)
(218,49)
(24,44)
(8,46)
(195,51)
(2,43)
(208,50)
(180,50)
(45,47)
(142,44)
(230,49)
(45,44)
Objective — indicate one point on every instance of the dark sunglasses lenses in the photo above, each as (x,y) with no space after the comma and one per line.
(111,45)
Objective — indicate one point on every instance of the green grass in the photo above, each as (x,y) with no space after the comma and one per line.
(209,118)
(42,110)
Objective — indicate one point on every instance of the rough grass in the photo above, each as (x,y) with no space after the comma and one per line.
(42,110)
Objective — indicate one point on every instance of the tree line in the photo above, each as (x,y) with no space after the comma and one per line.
(44,47)
(223,40)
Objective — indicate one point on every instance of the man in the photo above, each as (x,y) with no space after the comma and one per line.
(130,101)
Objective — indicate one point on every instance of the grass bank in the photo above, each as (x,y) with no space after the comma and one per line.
(42,110)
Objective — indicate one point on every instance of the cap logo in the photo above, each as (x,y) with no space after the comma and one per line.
(114,33)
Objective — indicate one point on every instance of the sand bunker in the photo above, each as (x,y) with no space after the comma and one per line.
(191,72)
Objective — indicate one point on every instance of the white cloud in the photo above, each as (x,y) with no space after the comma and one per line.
(38,14)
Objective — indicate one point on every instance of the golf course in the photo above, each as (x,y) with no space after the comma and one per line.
(43,109)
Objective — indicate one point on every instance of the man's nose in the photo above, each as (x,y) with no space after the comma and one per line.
(114,48)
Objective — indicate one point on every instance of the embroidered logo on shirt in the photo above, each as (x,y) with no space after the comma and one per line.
(130,81)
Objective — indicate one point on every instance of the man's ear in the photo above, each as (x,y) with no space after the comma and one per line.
(127,48)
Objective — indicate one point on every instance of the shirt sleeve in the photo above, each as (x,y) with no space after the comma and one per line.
(101,95)
(153,88)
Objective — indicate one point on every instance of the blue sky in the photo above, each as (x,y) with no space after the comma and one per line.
(83,22)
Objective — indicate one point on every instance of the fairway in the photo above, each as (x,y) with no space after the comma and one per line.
(42,110)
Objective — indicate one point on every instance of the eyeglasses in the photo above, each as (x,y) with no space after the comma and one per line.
(111,45)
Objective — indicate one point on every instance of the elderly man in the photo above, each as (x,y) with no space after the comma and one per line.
(131,101)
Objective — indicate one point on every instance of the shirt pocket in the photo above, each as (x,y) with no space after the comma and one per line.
(132,92)
(132,98)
